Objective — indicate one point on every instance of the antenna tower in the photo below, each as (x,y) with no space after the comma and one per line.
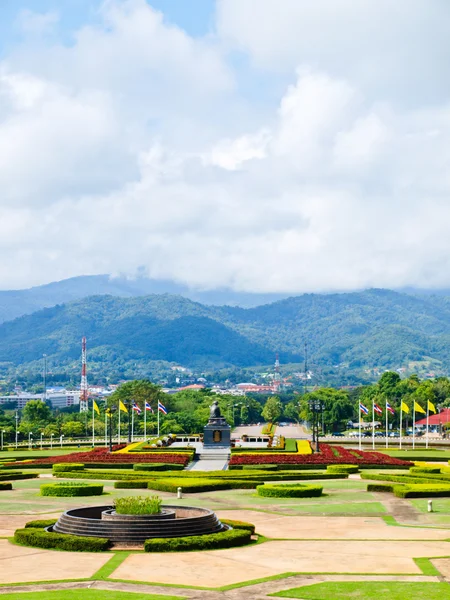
(277,376)
(84,386)
(305,380)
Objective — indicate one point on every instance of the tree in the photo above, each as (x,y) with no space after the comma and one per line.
(36,411)
(338,408)
(272,410)
(291,411)
(72,428)
(244,414)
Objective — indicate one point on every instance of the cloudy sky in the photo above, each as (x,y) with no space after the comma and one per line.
(260,145)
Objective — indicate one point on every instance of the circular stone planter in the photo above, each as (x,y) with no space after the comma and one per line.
(173,521)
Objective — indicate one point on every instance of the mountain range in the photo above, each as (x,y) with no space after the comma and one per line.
(372,328)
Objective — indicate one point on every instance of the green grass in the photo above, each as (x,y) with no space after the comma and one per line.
(440,505)
(418,454)
(427,567)
(23,454)
(369,590)
(85,594)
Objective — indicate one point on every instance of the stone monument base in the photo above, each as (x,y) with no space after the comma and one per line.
(216,434)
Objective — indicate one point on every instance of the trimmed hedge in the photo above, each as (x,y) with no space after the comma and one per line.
(67,467)
(4,485)
(298,490)
(157,467)
(40,524)
(213,541)
(343,469)
(16,475)
(39,538)
(131,484)
(71,489)
(380,487)
(424,470)
(239,525)
(198,485)
(401,478)
(422,491)
(258,467)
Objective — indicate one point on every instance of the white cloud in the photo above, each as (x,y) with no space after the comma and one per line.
(134,147)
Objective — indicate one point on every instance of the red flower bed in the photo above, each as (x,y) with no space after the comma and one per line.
(102,455)
(328,455)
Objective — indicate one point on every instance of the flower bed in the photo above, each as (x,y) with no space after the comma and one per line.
(304,447)
(328,455)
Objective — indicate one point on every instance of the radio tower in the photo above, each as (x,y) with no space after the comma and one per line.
(276,376)
(84,386)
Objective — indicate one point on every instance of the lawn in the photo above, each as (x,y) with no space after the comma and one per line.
(440,505)
(87,595)
(369,590)
(419,454)
(24,454)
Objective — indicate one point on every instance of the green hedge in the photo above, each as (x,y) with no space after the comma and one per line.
(67,467)
(343,469)
(422,491)
(400,478)
(198,485)
(424,470)
(258,467)
(40,524)
(298,490)
(157,467)
(15,476)
(38,538)
(131,484)
(239,525)
(213,541)
(71,489)
(4,485)
(380,487)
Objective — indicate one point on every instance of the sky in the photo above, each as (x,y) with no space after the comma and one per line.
(259,145)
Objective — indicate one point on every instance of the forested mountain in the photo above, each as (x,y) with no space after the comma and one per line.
(371,328)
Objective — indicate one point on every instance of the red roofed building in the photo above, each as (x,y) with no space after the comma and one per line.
(194,386)
(440,419)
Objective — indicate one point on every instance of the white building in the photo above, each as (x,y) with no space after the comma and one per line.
(61,399)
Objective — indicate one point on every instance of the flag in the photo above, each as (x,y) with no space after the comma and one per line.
(377,409)
(363,408)
(162,408)
(431,406)
(404,407)
(418,408)
(108,412)
(95,407)
(390,409)
(136,408)
(148,407)
(122,406)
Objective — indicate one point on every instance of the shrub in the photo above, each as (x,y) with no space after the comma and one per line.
(4,485)
(380,487)
(190,485)
(65,467)
(424,470)
(16,475)
(239,525)
(224,539)
(131,484)
(422,491)
(70,488)
(38,538)
(343,469)
(138,505)
(295,490)
(40,524)
(157,467)
(258,467)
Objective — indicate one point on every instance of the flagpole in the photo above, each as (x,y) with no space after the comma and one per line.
(118,434)
(428,414)
(93,432)
(387,427)
(106,429)
(360,427)
(132,425)
(145,420)
(401,425)
(414,424)
(373,424)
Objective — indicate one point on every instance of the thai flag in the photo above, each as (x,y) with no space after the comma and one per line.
(390,409)
(377,409)
(363,409)
(162,408)
(148,407)
(136,408)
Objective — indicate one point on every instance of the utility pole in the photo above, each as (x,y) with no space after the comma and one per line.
(305,387)
(44,374)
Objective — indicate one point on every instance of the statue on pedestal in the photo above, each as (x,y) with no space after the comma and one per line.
(214,411)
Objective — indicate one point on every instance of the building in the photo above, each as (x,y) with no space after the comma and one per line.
(61,399)
(441,418)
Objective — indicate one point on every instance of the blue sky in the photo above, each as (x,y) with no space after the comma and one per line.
(260,145)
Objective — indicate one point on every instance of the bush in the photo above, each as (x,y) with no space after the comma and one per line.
(424,470)
(16,475)
(258,467)
(131,484)
(343,469)
(38,538)
(40,524)
(67,467)
(138,505)
(4,485)
(422,491)
(70,488)
(380,487)
(190,485)
(213,541)
(239,525)
(295,490)
(157,467)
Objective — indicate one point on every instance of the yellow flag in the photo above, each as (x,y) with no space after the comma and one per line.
(431,407)
(108,412)
(95,407)
(404,407)
(418,408)
(122,406)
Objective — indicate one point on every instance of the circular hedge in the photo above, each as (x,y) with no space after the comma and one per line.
(70,488)
(67,467)
(293,490)
(343,469)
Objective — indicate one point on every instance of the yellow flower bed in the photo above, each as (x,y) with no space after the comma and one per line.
(127,448)
(304,447)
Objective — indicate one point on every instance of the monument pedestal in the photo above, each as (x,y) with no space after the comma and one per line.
(216,434)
